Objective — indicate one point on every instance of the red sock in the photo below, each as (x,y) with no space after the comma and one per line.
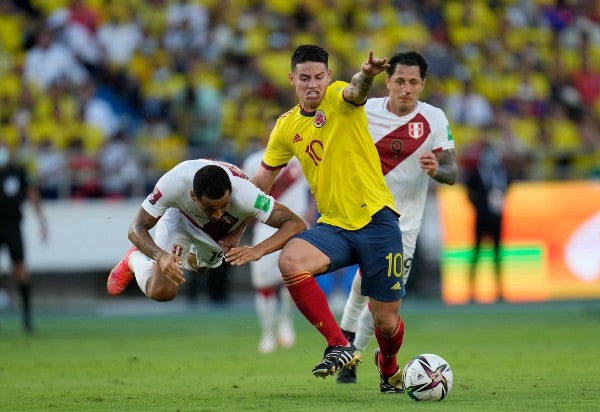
(312,303)
(388,348)
(267,292)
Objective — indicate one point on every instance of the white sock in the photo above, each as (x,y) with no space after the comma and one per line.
(366,330)
(354,306)
(285,332)
(266,308)
(285,305)
(141,265)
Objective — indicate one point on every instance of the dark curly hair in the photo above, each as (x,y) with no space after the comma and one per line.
(408,58)
(309,53)
(211,181)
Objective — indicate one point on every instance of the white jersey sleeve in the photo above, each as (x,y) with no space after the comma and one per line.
(249,200)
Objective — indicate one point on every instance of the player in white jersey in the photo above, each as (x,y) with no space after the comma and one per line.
(414,142)
(199,210)
(272,299)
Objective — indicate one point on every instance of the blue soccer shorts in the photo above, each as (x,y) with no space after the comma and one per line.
(376,248)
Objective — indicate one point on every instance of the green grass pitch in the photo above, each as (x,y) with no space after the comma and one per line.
(542,357)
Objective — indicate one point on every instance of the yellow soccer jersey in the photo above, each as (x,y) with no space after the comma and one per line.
(338,158)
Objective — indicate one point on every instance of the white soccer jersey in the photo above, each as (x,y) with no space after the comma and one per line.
(400,141)
(171,199)
(289,188)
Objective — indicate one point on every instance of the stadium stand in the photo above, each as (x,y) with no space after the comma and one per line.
(185,78)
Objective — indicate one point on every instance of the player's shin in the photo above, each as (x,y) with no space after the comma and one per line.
(312,303)
(365,331)
(389,345)
(354,306)
(142,268)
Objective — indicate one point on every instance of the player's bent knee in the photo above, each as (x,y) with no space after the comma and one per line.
(159,297)
(288,263)
(386,329)
(386,324)
(161,293)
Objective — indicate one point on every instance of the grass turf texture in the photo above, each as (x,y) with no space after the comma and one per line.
(504,357)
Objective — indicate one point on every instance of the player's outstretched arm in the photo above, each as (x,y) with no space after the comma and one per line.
(360,85)
(139,234)
(288,224)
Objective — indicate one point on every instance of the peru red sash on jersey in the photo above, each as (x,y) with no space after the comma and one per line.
(285,179)
(400,143)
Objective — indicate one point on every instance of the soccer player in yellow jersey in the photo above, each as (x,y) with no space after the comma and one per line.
(328,133)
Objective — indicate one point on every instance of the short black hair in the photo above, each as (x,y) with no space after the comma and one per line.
(309,53)
(408,58)
(211,181)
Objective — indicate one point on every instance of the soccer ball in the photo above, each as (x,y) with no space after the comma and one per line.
(427,377)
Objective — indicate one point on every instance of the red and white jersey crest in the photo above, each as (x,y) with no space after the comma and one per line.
(415,129)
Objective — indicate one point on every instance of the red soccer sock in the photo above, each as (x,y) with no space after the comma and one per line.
(312,303)
(388,348)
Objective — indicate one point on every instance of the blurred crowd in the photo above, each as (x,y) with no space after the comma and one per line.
(100,97)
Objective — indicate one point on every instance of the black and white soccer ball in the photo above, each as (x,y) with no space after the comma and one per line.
(427,377)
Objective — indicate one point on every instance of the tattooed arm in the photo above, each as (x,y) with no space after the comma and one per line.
(288,224)
(440,166)
(139,234)
(360,85)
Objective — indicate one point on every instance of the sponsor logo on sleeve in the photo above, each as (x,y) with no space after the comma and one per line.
(154,196)
(262,203)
